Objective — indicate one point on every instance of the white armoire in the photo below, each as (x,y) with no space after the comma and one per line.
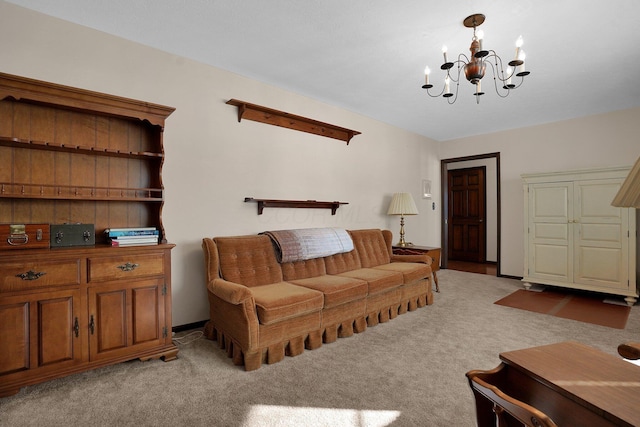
(574,238)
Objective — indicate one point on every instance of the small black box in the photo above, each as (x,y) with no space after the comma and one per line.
(72,235)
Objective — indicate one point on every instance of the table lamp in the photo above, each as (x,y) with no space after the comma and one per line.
(402,204)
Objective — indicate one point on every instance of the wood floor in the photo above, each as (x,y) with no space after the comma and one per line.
(473,267)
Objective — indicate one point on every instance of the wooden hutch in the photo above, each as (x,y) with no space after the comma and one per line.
(74,156)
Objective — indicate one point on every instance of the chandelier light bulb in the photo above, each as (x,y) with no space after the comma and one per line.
(522,58)
(480,37)
(444,52)
(427,71)
(518,46)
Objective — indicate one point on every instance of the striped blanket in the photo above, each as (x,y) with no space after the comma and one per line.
(308,243)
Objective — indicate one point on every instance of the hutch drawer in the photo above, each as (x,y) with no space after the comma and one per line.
(125,267)
(18,276)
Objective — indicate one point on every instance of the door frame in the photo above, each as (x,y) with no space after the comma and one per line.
(444,202)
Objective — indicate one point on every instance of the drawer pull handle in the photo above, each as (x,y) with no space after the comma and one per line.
(17,239)
(31,275)
(128,266)
(92,325)
(76,327)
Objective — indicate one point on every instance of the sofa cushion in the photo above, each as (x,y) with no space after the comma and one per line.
(371,247)
(336,289)
(378,280)
(339,263)
(248,260)
(411,271)
(303,269)
(280,301)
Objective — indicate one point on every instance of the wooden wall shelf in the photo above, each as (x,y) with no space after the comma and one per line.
(309,204)
(273,117)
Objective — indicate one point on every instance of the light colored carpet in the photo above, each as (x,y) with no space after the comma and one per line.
(407,372)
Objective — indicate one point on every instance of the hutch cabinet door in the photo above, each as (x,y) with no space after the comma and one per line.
(40,331)
(125,318)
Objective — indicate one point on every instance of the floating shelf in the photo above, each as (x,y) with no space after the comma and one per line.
(309,204)
(273,117)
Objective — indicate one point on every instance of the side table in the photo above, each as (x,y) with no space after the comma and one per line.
(434,253)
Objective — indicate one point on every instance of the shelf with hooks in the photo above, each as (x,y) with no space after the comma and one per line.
(309,204)
(273,117)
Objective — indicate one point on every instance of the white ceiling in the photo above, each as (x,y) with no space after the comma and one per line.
(368,56)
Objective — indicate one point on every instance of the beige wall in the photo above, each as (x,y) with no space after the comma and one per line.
(213,162)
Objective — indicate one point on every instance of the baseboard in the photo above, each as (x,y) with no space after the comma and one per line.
(189,326)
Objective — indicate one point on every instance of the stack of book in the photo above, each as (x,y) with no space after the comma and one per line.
(134,236)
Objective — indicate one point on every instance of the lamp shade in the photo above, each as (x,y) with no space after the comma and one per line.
(629,194)
(402,204)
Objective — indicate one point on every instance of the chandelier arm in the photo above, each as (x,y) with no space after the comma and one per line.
(453,99)
(435,96)
(496,77)
(519,84)
(499,67)
(456,79)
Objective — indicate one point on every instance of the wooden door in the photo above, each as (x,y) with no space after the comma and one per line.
(125,318)
(466,214)
(40,331)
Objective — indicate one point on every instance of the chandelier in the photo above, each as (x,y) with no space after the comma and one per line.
(474,67)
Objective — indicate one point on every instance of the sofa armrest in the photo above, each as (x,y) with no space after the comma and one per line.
(423,258)
(629,350)
(230,292)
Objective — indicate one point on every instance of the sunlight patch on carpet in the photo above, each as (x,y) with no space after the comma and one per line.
(285,416)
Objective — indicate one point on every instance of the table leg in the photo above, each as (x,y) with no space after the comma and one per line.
(435,279)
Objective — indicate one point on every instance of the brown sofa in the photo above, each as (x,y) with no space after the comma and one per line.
(262,310)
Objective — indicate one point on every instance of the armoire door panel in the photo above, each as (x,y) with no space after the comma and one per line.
(594,200)
(551,261)
(605,235)
(550,233)
(550,202)
(602,266)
